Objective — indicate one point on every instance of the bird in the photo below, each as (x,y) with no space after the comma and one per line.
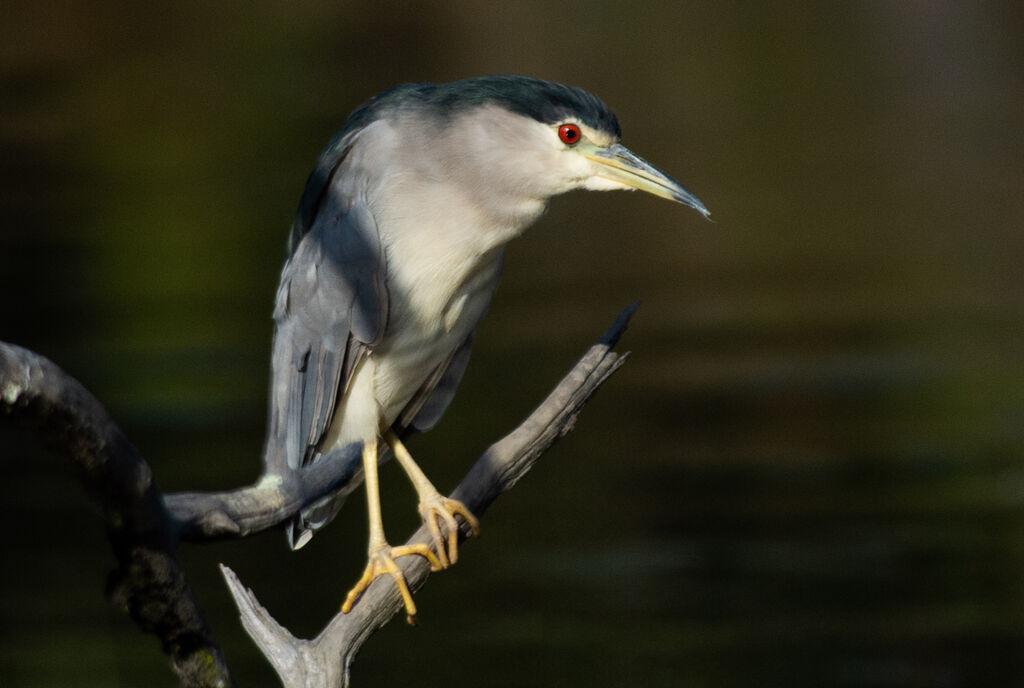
(391,262)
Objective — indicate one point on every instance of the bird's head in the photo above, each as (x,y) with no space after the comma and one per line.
(507,137)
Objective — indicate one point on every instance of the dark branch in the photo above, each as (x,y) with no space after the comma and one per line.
(325,660)
(149,582)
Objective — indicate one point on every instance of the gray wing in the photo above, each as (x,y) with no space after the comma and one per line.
(331,308)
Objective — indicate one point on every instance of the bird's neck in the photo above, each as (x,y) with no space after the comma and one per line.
(443,229)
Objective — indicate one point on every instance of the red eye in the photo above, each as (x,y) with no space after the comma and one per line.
(569,133)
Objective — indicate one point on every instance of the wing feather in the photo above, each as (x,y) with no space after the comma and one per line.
(331,307)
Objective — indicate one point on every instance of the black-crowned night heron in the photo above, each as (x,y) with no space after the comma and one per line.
(393,258)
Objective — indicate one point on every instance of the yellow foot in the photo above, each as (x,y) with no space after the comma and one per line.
(436,510)
(381,562)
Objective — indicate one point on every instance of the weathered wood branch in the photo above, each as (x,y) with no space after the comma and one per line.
(203,516)
(145,526)
(324,661)
(148,583)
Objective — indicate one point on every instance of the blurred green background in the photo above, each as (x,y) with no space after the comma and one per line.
(810,472)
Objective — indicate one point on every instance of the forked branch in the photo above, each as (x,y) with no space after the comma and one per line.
(324,661)
(145,526)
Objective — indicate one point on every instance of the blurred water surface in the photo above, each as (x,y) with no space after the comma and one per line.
(810,472)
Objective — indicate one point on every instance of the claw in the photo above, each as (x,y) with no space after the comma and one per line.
(434,508)
(381,562)
(437,510)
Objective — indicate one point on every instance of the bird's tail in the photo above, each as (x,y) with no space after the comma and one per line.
(301,529)
(318,514)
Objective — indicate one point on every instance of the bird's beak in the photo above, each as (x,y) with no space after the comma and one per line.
(618,164)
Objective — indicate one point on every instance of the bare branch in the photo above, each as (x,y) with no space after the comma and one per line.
(203,516)
(144,526)
(324,661)
(149,582)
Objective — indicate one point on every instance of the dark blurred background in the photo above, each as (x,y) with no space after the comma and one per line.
(810,472)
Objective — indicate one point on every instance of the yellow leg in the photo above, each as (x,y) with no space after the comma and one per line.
(382,555)
(435,509)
